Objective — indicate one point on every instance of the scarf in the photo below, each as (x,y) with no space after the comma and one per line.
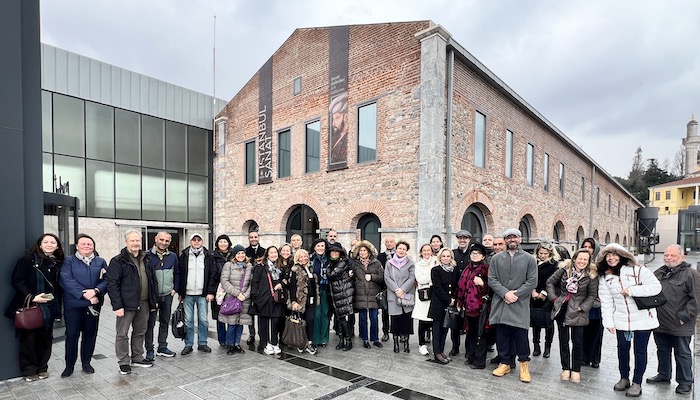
(274,271)
(398,262)
(87,260)
(572,282)
(365,262)
(448,267)
(239,264)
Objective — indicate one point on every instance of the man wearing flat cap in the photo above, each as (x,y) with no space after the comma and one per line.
(338,109)
(195,275)
(512,276)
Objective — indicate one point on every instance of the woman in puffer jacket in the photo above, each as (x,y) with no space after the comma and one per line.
(573,287)
(622,280)
(369,276)
(342,287)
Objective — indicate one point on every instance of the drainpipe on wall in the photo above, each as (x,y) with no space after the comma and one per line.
(448,149)
(590,215)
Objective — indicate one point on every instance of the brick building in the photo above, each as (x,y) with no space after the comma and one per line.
(396,129)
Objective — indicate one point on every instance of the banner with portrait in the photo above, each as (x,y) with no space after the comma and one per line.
(338,127)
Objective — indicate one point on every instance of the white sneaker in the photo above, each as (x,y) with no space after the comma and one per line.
(269,350)
(276,349)
(423,349)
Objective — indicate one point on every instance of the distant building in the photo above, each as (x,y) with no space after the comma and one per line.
(396,129)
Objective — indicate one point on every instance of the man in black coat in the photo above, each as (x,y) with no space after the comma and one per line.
(254,252)
(131,286)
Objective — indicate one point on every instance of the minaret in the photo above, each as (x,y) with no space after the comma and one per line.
(692,145)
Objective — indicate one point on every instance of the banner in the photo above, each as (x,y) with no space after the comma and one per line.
(265,123)
(338,59)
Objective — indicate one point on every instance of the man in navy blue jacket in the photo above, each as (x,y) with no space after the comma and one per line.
(165,265)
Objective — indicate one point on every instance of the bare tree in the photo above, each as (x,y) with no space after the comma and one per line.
(678,166)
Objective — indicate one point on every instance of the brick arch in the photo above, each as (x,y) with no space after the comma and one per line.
(486,206)
(560,217)
(534,225)
(243,219)
(287,205)
(359,208)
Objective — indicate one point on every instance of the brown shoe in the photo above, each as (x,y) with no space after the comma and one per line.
(501,370)
(565,375)
(575,377)
(524,372)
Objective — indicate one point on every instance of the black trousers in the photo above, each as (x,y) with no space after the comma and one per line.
(423,329)
(511,341)
(476,347)
(268,330)
(162,315)
(593,341)
(570,360)
(34,350)
(79,321)
(439,336)
(385,322)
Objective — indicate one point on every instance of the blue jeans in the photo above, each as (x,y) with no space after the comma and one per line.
(162,315)
(233,335)
(641,340)
(373,324)
(681,351)
(202,320)
(221,332)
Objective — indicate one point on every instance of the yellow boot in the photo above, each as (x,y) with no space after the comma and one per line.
(524,372)
(501,370)
(565,375)
(575,377)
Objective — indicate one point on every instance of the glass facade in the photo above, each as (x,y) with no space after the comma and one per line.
(122,164)
(367,133)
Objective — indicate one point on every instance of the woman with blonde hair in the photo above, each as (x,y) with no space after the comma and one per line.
(303,293)
(444,294)
(540,308)
(424,266)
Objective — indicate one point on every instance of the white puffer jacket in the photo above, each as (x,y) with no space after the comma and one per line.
(621,312)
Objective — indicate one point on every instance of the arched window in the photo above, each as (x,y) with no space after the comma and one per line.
(596,236)
(303,221)
(624,241)
(525,228)
(251,226)
(607,237)
(617,238)
(474,221)
(369,226)
(558,234)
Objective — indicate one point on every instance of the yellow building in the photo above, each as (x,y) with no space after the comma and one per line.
(679,213)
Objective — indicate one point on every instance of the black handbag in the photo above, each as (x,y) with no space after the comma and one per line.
(645,303)
(294,333)
(177,322)
(453,318)
(382,301)
(425,293)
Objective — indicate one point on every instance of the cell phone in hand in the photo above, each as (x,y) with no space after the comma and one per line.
(47,296)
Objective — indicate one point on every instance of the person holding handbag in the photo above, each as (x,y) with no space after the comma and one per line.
(369,277)
(471,292)
(621,281)
(235,281)
(268,296)
(84,285)
(400,279)
(424,265)
(35,279)
(303,294)
(444,294)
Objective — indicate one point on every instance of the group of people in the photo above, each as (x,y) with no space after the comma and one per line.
(493,291)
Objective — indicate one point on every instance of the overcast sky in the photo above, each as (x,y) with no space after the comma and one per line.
(611,75)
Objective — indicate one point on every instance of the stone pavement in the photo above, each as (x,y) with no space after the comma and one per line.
(356,374)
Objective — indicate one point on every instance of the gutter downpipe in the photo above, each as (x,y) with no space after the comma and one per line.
(590,215)
(448,148)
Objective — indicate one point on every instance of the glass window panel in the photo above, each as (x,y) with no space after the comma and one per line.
(176,196)
(284,163)
(530,170)
(153,198)
(72,170)
(47,172)
(153,140)
(99,131)
(46,121)
(68,125)
(198,201)
(367,133)
(509,154)
(128,192)
(546,172)
(100,189)
(480,140)
(175,147)
(250,163)
(313,146)
(561,179)
(128,137)
(197,151)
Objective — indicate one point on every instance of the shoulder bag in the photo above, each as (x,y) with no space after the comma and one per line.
(645,303)
(177,322)
(231,304)
(278,296)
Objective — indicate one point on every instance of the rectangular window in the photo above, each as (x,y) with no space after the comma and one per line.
(153,140)
(68,125)
(562,179)
(221,137)
(175,147)
(597,197)
(284,154)
(153,189)
(100,189)
(509,154)
(127,134)
(46,124)
(176,196)
(197,198)
(313,146)
(99,131)
(71,170)
(367,133)
(197,151)
(657,196)
(668,195)
(583,188)
(297,85)
(480,140)
(609,203)
(618,208)
(546,172)
(251,171)
(530,171)
(47,169)
(128,191)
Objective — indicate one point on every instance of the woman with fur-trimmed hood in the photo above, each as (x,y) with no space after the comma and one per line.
(369,276)
(621,282)
(573,287)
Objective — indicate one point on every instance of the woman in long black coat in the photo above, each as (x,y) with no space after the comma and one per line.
(342,286)
(540,307)
(445,278)
(267,279)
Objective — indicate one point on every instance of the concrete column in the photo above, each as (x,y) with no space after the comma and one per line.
(431,175)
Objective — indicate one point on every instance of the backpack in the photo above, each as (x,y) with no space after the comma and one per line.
(177,322)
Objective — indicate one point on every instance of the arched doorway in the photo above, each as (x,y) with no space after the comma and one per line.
(525,226)
(369,226)
(304,222)
(558,233)
(473,220)
(580,235)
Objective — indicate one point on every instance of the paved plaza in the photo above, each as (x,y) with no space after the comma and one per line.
(357,374)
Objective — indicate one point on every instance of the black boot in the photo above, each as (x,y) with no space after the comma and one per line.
(341,343)
(547,348)
(348,344)
(396,344)
(537,351)
(406,347)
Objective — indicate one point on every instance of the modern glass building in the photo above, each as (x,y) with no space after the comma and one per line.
(135,150)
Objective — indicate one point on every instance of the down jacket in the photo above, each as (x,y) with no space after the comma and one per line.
(621,312)
(342,285)
(424,267)
(231,276)
(366,291)
(579,303)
